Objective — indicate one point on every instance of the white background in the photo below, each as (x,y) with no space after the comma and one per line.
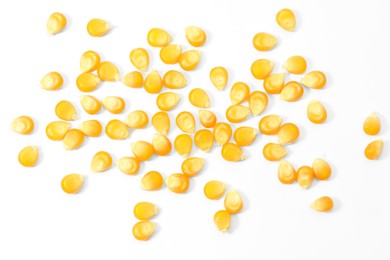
(348,40)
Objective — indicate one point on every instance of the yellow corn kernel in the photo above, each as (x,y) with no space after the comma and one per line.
(374,150)
(161,144)
(139,57)
(137,119)
(316,112)
(286,173)
(56,23)
(222,220)
(237,113)
(143,230)
(292,91)
(195,36)
(161,122)
(153,83)
(262,68)
(145,210)
(142,150)
(185,121)
(107,71)
(91,128)
(305,176)
(177,182)
(174,79)
(286,19)
(183,145)
(245,135)
(189,60)
(270,125)
(28,156)
(152,181)
(274,83)
(233,202)
(258,102)
(167,101)
(23,125)
(295,65)
(90,104)
(158,37)
(101,161)
(192,166)
(89,61)
(322,169)
(170,54)
(219,77)
(87,82)
(117,130)
(134,79)
(56,130)
(372,124)
(128,165)
(207,118)
(214,190)
(232,152)
(72,183)
(239,93)
(113,104)
(322,204)
(288,133)
(97,27)
(274,152)
(52,81)
(314,79)
(66,111)
(73,139)
(222,133)
(199,98)
(204,140)
(264,41)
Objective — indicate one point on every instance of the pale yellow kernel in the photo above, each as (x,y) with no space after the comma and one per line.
(177,182)
(292,91)
(134,79)
(274,152)
(72,183)
(142,150)
(262,68)
(185,121)
(107,71)
(286,19)
(153,83)
(372,124)
(56,23)
(87,82)
(158,37)
(137,119)
(161,122)
(183,145)
(161,144)
(305,176)
(195,36)
(222,133)
(288,133)
(258,102)
(295,64)
(52,81)
(286,173)
(322,169)
(66,111)
(56,130)
(245,135)
(237,113)
(214,190)
(117,130)
(113,104)
(207,118)
(73,139)
(97,27)
(264,41)
(239,93)
(167,101)
(90,104)
(270,125)
(143,230)
(219,77)
(204,140)
(374,150)
(22,125)
(174,79)
(145,210)
(28,156)
(139,57)
(274,83)
(314,79)
(189,60)
(322,204)
(170,54)
(101,161)
(233,202)
(316,112)
(91,128)
(192,166)
(199,98)
(128,165)
(89,61)
(232,152)
(152,181)
(222,220)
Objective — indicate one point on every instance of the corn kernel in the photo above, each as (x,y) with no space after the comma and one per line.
(286,173)
(232,152)
(72,183)
(97,27)
(195,36)
(295,64)
(292,91)
(192,166)
(134,79)
(185,121)
(152,181)
(137,119)
(52,81)
(322,169)
(264,41)
(258,102)
(161,144)
(87,82)
(305,176)
(245,135)
(91,128)
(73,139)
(89,61)
(214,190)
(372,124)
(56,23)
(274,152)
(139,57)
(222,133)
(316,112)
(189,60)
(117,130)
(374,150)
(128,165)
(177,182)
(222,220)
(286,19)
(262,68)
(170,54)
(174,79)
(114,105)
(237,113)
(144,230)
(315,79)
(23,125)
(161,122)
(56,130)
(28,156)
(145,210)
(90,104)
(219,77)
(233,202)
(142,150)
(66,111)
(167,101)
(101,161)
(274,83)
(153,83)
(199,98)
(239,93)
(183,145)
(107,71)
(158,37)
(288,133)
(270,125)
(204,140)
(322,204)
(207,118)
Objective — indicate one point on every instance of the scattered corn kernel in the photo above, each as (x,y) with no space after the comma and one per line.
(167,101)
(286,19)
(192,166)
(107,71)
(91,128)
(153,83)
(113,104)
(286,173)
(195,36)
(219,77)
(158,37)
(52,81)
(199,98)
(222,133)
(222,220)
(72,183)
(322,169)
(161,122)
(258,102)
(189,60)
(145,210)
(185,121)
(66,111)
(87,82)
(137,119)
(322,204)
(232,152)
(274,152)
(117,130)
(292,91)
(239,93)
(270,125)
(101,161)
(245,135)
(204,140)
(214,190)
(28,156)
(237,113)
(128,165)
(161,144)
(288,133)
(56,130)
(89,61)
(314,79)
(264,41)
(170,54)
(174,79)
(97,27)
(233,202)
(152,181)
(207,118)
(316,112)
(23,125)
(177,182)
(134,79)
(295,64)
(73,139)
(139,57)
(90,104)
(305,176)
(374,150)
(274,83)
(142,150)
(262,68)
(144,230)
(372,125)
(56,23)
(183,145)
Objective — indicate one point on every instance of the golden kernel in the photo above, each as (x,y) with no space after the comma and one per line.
(139,57)
(90,104)
(117,130)
(288,133)
(195,36)
(316,112)
(137,119)
(56,130)
(161,122)
(189,60)
(134,79)
(170,54)
(143,230)
(222,220)
(23,125)
(158,37)
(153,83)
(286,19)
(101,161)
(91,128)
(322,169)
(167,101)
(107,71)
(374,150)
(28,156)
(185,121)
(66,111)
(286,173)
(274,152)
(305,176)
(258,102)
(245,135)
(97,27)
(161,144)
(315,79)
(292,91)
(262,68)
(128,165)
(219,77)
(232,152)
(192,166)
(222,133)
(183,145)
(177,182)
(204,140)
(174,79)
(114,105)
(237,113)
(145,210)
(214,190)
(72,183)
(233,202)
(152,181)
(52,81)
(87,82)
(295,64)
(199,98)
(142,150)
(56,23)
(274,83)
(270,125)
(89,61)
(239,93)
(372,124)
(322,204)
(73,139)
(264,41)
(207,118)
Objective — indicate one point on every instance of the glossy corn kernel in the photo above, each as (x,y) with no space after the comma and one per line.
(295,64)
(195,36)
(152,181)
(264,41)
(214,190)
(56,130)
(322,169)
(137,119)
(117,130)
(288,133)
(222,133)
(314,79)
(143,230)
(158,37)
(305,176)
(101,161)
(274,152)
(128,165)
(192,166)
(66,111)
(233,202)
(207,118)
(87,82)
(107,71)
(262,68)
(139,57)
(237,113)
(286,173)
(56,23)
(374,150)
(90,104)
(177,182)
(174,79)
(161,144)
(316,112)
(232,152)
(113,104)
(185,121)
(222,220)
(204,140)
(258,102)
(167,101)
(142,150)
(52,81)
(89,61)
(199,98)
(322,204)
(161,122)
(219,77)
(183,145)
(22,125)
(189,60)
(91,128)
(274,83)
(145,210)
(72,183)
(244,135)
(372,124)
(153,83)
(270,125)
(239,93)
(28,156)
(73,139)
(97,27)
(134,79)
(170,54)
(286,19)
(292,91)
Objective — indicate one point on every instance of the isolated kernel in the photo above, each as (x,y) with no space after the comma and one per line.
(142,150)
(183,145)
(97,27)
(158,37)
(288,133)
(207,118)
(170,54)
(145,210)
(245,135)
(322,169)
(219,77)
(270,125)
(22,125)
(292,91)
(204,140)
(258,102)
(152,181)
(233,202)
(316,112)
(174,79)
(286,173)
(372,124)
(137,119)
(185,121)
(72,183)
(66,111)
(274,152)
(177,182)
(222,220)
(192,166)
(143,230)
(239,93)
(56,23)
(199,98)
(128,165)
(153,83)
(262,68)
(56,130)
(101,161)
(232,152)
(189,60)
(314,79)
(214,190)
(305,176)
(107,71)
(134,79)
(87,82)
(374,150)
(295,64)
(167,101)
(161,144)
(89,61)
(52,81)
(117,130)
(264,41)
(322,204)
(90,104)
(113,104)
(222,133)
(273,84)
(91,128)
(28,156)
(286,19)
(73,139)
(139,57)
(195,36)
(161,122)
(237,113)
